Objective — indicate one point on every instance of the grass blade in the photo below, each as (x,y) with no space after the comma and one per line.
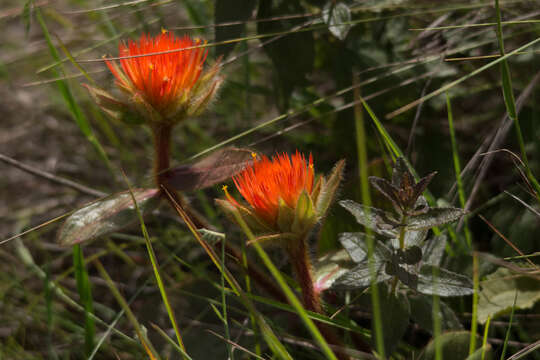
(507,336)
(510,102)
(361,146)
(66,93)
(474,318)
(291,297)
(268,334)
(457,169)
(85,294)
(484,340)
(155,268)
(148,347)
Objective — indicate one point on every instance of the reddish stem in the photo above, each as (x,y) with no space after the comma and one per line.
(162,144)
(300,260)
(298,252)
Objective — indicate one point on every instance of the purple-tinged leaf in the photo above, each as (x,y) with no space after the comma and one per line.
(386,188)
(422,184)
(106,215)
(401,176)
(215,168)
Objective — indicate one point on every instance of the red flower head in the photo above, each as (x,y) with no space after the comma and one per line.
(267,182)
(169,85)
(285,201)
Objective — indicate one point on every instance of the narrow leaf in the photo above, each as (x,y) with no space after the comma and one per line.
(385,188)
(105,215)
(329,188)
(422,184)
(377,220)
(434,217)
(213,169)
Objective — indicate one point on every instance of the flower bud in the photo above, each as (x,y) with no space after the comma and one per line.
(162,88)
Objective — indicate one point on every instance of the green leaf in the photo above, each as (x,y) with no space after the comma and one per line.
(434,217)
(411,255)
(106,215)
(433,250)
(412,238)
(359,276)
(373,218)
(422,313)
(395,319)
(235,12)
(215,168)
(499,289)
(304,214)
(85,294)
(356,245)
(393,268)
(338,18)
(27,15)
(447,283)
(454,345)
(285,216)
(330,267)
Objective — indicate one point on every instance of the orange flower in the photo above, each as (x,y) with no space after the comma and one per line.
(167,86)
(267,181)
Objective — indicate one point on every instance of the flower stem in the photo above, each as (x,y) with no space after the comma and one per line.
(162,144)
(162,155)
(300,260)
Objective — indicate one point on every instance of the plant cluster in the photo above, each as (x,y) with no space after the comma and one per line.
(285,199)
(389,285)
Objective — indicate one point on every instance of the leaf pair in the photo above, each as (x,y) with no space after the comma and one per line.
(117,211)
(429,279)
(404,192)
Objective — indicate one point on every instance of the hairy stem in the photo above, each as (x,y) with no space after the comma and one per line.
(301,262)
(162,155)
(162,152)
